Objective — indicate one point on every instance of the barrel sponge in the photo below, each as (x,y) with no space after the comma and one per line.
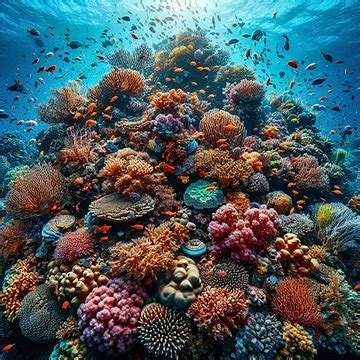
(40,315)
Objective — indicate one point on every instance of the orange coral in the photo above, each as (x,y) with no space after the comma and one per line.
(11,239)
(295,302)
(270,132)
(220,165)
(218,125)
(121,81)
(238,200)
(62,106)
(219,311)
(252,158)
(168,102)
(22,280)
(131,171)
(34,192)
(150,254)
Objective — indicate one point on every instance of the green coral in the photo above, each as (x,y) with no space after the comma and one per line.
(324,215)
(201,195)
(339,157)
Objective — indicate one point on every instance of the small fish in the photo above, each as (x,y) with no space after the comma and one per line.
(134,36)
(126,18)
(293,63)
(51,68)
(230,127)
(104,238)
(33,32)
(137,226)
(300,202)
(35,61)
(291,84)
(323,199)
(223,146)
(295,193)
(168,168)
(101,57)
(7,347)
(102,229)
(337,192)
(302,269)
(77,116)
(193,63)
(108,108)
(247,53)
(65,305)
(233,41)
(211,188)
(170,213)
(311,66)
(268,82)
(90,122)
(332,132)
(211,96)
(114,98)
(292,210)
(326,56)
(184,179)
(318,81)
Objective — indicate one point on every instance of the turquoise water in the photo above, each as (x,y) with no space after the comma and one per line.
(213,171)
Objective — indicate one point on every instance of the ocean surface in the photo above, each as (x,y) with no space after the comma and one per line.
(266,102)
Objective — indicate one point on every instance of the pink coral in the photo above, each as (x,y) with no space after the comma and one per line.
(242,237)
(108,318)
(74,245)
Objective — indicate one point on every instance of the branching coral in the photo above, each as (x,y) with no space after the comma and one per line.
(131,171)
(108,318)
(37,191)
(22,280)
(219,311)
(168,102)
(295,302)
(74,245)
(151,254)
(121,82)
(309,174)
(163,331)
(62,106)
(218,125)
(221,166)
(242,237)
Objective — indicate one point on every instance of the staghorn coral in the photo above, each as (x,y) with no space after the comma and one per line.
(74,245)
(180,285)
(22,280)
(164,332)
(295,303)
(221,166)
(62,105)
(131,171)
(220,125)
(151,254)
(110,325)
(40,316)
(37,191)
(219,311)
(121,82)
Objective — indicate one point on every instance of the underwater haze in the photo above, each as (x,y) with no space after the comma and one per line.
(179,179)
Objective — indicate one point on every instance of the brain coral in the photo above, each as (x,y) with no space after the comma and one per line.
(74,245)
(109,316)
(163,331)
(40,315)
(199,196)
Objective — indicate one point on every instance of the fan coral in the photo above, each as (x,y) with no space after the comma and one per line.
(168,102)
(295,302)
(34,192)
(163,331)
(298,342)
(131,172)
(309,174)
(239,237)
(74,245)
(22,280)
(298,224)
(198,196)
(12,238)
(219,311)
(180,285)
(62,106)
(221,166)
(258,184)
(279,201)
(151,254)
(121,82)
(39,315)
(261,338)
(109,316)
(220,125)
(140,59)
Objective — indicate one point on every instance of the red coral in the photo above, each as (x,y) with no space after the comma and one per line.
(295,302)
(74,245)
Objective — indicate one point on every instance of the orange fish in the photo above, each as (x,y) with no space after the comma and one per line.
(170,213)
(291,84)
(168,168)
(222,141)
(51,68)
(78,181)
(77,116)
(148,281)
(294,64)
(7,347)
(223,146)
(114,98)
(101,57)
(137,226)
(108,108)
(337,192)
(184,179)
(268,82)
(300,202)
(299,207)
(302,269)
(190,47)
(211,188)
(292,211)
(102,229)
(200,68)
(65,305)
(247,53)
(134,36)
(295,193)
(230,127)
(107,116)
(104,238)
(90,122)
(178,70)
(322,98)
(91,108)
(291,184)
(357,287)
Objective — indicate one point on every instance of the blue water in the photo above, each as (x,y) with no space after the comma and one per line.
(312,26)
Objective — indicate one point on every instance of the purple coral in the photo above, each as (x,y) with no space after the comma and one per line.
(108,318)
(242,237)
(167,126)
